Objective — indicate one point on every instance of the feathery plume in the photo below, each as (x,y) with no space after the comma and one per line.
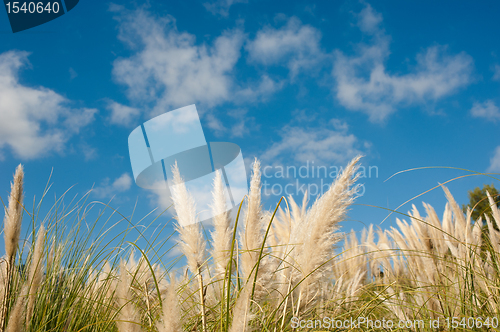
(12,228)
(13,215)
(128,318)
(241,311)
(51,256)
(35,273)
(171,316)
(222,234)
(16,316)
(253,233)
(192,242)
(494,209)
(318,233)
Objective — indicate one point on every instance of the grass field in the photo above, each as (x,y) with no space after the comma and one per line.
(281,272)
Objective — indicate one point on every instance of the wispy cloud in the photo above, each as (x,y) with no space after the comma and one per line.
(34,120)
(260,91)
(122,115)
(364,84)
(221,7)
(487,110)
(296,45)
(72,74)
(244,123)
(369,20)
(89,153)
(215,124)
(107,188)
(169,68)
(238,124)
(322,145)
(495,161)
(496,72)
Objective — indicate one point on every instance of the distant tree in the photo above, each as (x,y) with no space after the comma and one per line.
(480,205)
(478,201)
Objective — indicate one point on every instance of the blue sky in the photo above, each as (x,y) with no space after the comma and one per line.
(405,83)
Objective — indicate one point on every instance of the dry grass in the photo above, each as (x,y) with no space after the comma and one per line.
(282,265)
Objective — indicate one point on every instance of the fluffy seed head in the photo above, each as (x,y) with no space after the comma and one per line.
(13,215)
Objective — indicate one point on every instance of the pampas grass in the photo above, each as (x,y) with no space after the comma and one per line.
(318,234)
(128,317)
(253,233)
(222,234)
(12,229)
(192,242)
(171,315)
(16,318)
(35,273)
(13,215)
(284,266)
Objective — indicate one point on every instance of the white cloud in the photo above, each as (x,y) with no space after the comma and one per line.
(79,119)
(495,161)
(122,115)
(487,110)
(72,74)
(239,124)
(215,124)
(169,68)
(364,84)
(240,129)
(119,185)
(244,123)
(369,20)
(496,73)
(296,44)
(323,145)
(266,87)
(221,7)
(89,153)
(34,120)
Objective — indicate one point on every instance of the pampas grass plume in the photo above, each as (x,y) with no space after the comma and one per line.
(253,234)
(222,234)
(16,316)
(12,228)
(128,318)
(192,242)
(170,316)
(36,272)
(13,216)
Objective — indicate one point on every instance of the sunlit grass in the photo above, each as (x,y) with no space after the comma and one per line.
(281,274)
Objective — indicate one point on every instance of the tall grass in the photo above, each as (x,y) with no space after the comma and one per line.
(280,269)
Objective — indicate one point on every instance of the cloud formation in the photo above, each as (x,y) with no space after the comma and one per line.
(362,82)
(122,115)
(221,7)
(34,121)
(169,68)
(369,20)
(295,44)
(324,145)
(495,161)
(496,73)
(239,125)
(487,110)
(119,185)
